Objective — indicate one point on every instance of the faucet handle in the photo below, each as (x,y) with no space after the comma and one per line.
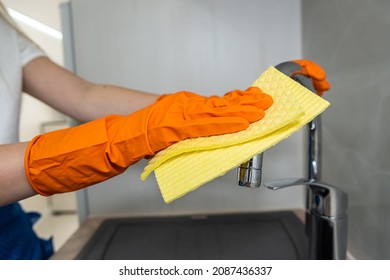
(325,200)
(284,183)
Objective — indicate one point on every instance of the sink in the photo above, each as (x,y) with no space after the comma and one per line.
(250,236)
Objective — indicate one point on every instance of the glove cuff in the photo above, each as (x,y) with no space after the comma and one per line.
(74,158)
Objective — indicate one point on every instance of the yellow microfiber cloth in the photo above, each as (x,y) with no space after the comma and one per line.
(186,165)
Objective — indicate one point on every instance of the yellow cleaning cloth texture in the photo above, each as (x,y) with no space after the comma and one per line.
(187,165)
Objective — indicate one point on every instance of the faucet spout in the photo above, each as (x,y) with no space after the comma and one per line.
(250,172)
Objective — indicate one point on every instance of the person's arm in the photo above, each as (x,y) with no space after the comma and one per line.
(14,185)
(71,95)
(125,128)
(76,97)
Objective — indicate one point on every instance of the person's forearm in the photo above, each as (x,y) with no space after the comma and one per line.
(14,185)
(103,100)
(76,97)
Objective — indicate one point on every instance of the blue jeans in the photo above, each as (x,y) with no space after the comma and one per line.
(18,240)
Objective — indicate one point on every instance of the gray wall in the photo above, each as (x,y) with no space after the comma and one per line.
(206,46)
(351,40)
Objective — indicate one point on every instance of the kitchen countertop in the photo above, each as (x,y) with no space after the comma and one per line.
(78,240)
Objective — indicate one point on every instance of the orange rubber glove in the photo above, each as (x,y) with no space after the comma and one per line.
(316,73)
(74,158)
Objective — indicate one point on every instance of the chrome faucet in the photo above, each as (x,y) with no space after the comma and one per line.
(326,205)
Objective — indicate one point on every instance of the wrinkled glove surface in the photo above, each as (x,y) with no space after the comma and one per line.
(73,158)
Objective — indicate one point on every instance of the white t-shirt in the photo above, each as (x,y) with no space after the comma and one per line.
(15,52)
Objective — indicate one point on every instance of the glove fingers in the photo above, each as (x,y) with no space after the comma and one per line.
(165,136)
(184,115)
(251,96)
(238,93)
(321,86)
(314,71)
(201,111)
(181,96)
(249,104)
(215,126)
(311,69)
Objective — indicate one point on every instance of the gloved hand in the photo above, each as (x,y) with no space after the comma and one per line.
(316,73)
(74,158)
